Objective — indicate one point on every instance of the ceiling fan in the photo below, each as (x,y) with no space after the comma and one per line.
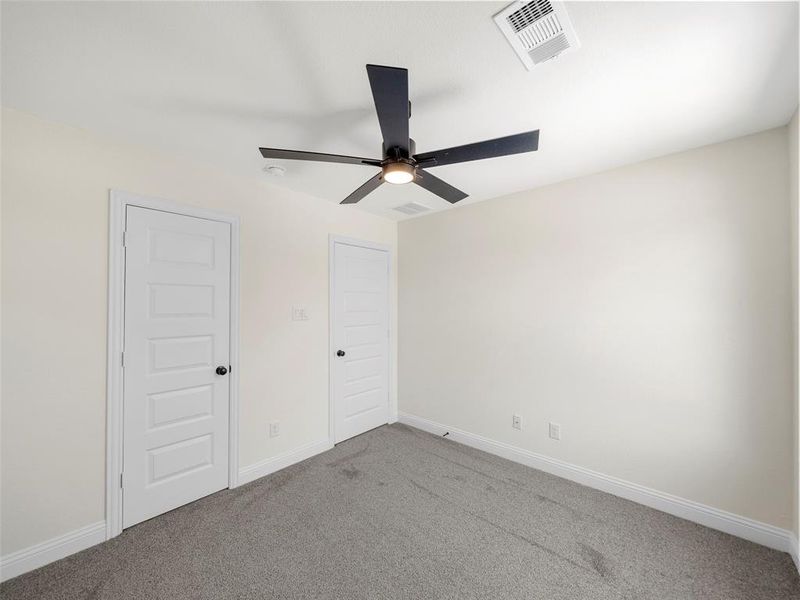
(400,163)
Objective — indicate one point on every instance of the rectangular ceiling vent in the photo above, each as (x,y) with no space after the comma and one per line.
(412,208)
(537,31)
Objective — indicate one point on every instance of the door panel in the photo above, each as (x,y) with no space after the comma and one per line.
(177,331)
(361,331)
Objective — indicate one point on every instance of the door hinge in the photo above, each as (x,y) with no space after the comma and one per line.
(124,239)
(122,359)
(120,480)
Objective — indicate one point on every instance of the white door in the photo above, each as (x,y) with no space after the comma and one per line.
(177,329)
(360,362)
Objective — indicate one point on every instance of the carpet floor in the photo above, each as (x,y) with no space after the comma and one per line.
(399,513)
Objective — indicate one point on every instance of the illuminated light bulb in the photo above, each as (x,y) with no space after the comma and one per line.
(399,172)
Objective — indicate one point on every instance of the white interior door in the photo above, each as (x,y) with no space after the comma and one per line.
(177,330)
(360,365)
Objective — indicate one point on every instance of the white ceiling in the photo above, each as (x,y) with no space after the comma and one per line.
(214,81)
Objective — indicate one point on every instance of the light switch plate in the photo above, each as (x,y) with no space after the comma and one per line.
(299,313)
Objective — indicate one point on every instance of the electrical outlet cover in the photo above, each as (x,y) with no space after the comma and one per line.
(274,429)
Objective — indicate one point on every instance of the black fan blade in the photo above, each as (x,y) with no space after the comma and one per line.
(317,156)
(370,186)
(439,187)
(511,144)
(390,92)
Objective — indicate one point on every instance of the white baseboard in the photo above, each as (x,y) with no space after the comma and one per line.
(276,463)
(743,527)
(36,556)
(59,547)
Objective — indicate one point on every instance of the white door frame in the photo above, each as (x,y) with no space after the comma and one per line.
(118,204)
(332,241)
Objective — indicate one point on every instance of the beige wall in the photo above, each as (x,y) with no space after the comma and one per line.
(647,310)
(794,185)
(55,183)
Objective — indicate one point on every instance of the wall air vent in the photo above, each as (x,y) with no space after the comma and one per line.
(412,208)
(537,31)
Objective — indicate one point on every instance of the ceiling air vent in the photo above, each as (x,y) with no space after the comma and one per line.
(412,208)
(537,30)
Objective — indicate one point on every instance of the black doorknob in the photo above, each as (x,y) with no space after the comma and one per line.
(222,371)
(340,353)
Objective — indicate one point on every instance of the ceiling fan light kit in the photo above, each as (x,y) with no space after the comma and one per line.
(399,172)
(400,163)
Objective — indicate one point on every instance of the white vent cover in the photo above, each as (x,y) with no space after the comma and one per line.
(412,208)
(537,31)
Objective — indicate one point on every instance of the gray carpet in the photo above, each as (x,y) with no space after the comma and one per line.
(398,513)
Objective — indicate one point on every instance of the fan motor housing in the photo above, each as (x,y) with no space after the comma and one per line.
(397,152)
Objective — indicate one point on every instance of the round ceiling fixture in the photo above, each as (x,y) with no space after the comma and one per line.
(274,170)
(399,172)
